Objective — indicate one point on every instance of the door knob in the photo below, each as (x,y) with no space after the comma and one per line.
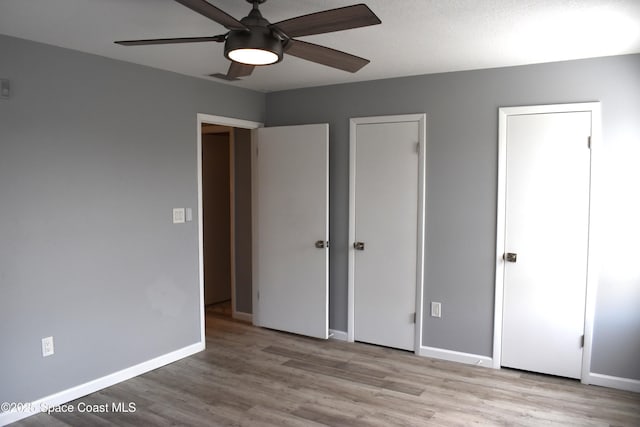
(358,246)
(321,244)
(510,257)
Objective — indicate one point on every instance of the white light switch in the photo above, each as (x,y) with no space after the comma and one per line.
(178,215)
(436,309)
(189,214)
(4,88)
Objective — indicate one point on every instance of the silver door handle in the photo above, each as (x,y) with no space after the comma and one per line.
(510,257)
(358,246)
(321,244)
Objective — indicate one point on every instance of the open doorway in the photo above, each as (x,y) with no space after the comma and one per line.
(217,198)
(224,212)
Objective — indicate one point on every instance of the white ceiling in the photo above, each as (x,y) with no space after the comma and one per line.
(415,37)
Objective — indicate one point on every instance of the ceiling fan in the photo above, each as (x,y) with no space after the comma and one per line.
(254,41)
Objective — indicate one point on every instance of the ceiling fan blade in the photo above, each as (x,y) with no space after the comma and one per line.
(342,18)
(236,70)
(325,56)
(210,11)
(220,38)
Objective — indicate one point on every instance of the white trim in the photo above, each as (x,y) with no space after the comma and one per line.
(241,315)
(422,197)
(200,227)
(455,356)
(338,335)
(228,121)
(422,221)
(592,258)
(500,221)
(351,255)
(614,382)
(100,383)
(223,121)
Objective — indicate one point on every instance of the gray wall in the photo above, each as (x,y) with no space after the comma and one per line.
(94,154)
(462,145)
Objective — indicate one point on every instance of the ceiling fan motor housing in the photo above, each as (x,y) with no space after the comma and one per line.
(259,36)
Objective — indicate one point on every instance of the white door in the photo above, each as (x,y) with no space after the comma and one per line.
(546,241)
(291,229)
(386,218)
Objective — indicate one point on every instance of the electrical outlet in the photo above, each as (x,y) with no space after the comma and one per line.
(47,346)
(436,309)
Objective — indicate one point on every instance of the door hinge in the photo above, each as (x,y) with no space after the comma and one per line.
(258,295)
(257,151)
(414,317)
(589,142)
(418,147)
(582,341)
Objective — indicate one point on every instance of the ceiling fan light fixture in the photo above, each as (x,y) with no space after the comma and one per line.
(253,56)
(257,47)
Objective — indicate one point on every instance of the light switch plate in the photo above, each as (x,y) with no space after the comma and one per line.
(189,214)
(4,89)
(436,309)
(178,215)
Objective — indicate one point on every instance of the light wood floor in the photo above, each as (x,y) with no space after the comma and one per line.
(255,377)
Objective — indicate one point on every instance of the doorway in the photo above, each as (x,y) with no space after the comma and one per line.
(233,249)
(251,263)
(386,229)
(544,274)
(217,188)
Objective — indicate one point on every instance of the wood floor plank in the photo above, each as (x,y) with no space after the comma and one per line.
(251,376)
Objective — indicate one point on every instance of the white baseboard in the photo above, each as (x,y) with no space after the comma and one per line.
(614,382)
(98,384)
(338,335)
(455,356)
(245,317)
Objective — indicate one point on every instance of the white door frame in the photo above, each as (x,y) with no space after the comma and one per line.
(236,123)
(592,256)
(422,126)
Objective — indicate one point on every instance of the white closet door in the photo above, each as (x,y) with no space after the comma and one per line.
(386,224)
(547,225)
